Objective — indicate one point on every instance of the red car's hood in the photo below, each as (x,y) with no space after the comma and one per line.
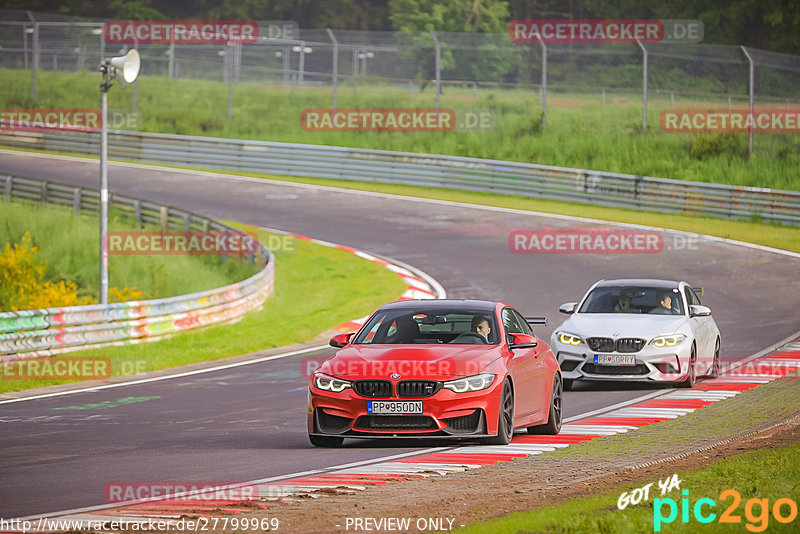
(434,362)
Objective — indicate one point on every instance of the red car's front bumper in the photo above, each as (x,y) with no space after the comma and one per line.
(444,414)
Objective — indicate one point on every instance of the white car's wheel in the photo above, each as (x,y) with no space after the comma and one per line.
(691,373)
(713,371)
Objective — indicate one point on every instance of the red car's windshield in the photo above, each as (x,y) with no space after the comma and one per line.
(461,326)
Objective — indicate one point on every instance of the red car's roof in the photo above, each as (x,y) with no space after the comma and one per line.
(440,304)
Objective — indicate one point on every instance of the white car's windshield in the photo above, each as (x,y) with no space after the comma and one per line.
(462,326)
(633,299)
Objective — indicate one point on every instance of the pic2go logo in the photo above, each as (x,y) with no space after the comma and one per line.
(756,511)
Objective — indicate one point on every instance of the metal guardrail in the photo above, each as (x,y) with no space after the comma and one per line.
(449,172)
(45,332)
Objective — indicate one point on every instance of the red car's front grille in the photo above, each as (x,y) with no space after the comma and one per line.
(415,389)
(373,388)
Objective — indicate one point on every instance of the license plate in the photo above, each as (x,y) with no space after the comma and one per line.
(394,407)
(615,359)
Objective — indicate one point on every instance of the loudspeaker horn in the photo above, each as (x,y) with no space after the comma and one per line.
(126,68)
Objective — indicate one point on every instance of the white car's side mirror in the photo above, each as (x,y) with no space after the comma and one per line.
(568,308)
(699,311)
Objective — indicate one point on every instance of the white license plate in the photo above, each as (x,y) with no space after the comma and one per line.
(394,407)
(615,359)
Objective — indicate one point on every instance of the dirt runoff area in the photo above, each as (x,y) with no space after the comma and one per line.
(768,416)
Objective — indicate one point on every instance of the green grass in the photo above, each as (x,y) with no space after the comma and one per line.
(758,407)
(763,474)
(316,288)
(581,132)
(70,246)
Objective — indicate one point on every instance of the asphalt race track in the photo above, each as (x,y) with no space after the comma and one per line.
(248,422)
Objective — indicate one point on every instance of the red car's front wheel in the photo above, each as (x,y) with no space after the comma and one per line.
(505,418)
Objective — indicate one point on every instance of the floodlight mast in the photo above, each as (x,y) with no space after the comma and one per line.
(128,67)
(107,71)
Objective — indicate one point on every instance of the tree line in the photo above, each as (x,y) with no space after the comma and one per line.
(767,24)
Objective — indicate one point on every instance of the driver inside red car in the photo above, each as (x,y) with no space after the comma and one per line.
(478,332)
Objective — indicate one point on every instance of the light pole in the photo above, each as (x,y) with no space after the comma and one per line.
(125,69)
(302,50)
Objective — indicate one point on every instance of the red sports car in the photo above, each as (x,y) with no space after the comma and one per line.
(464,369)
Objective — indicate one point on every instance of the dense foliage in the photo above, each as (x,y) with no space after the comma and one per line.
(772,25)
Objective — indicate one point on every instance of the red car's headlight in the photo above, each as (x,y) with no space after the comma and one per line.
(470,383)
(330,383)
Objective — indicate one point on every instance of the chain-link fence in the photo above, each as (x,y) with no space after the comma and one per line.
(649,77)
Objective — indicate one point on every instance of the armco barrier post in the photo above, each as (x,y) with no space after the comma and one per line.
(334,68)
(35,62)
(644,86)
(25,46)
(355,71)
(752,101)
(438,52)
(544,80)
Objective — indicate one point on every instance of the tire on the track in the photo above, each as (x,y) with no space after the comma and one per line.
(691,373)
(555,416)
(325,441)
(713,371)
(505,418)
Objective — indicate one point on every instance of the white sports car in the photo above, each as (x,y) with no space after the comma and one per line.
(637,330)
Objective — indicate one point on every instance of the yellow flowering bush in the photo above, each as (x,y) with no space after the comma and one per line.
(22,284)
(125,294)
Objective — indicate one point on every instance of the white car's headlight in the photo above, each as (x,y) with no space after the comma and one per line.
(470,383)
(667,341)
(569,339)
(329,383)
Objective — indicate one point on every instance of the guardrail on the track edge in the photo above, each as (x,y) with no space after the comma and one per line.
(46,332)
(448,172)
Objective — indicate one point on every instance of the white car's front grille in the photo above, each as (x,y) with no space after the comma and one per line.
(606,344)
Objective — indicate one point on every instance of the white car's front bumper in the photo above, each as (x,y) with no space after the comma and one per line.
(666,364)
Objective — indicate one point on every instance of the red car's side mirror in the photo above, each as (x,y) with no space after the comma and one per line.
(521,341)
(340,340)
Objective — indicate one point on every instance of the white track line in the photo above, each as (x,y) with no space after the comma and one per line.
(299,185)
(167,377)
